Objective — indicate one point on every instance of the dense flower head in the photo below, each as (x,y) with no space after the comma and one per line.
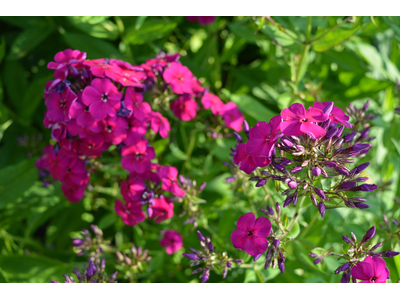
(172,241)
(94,104)
(251,234)
(202,20)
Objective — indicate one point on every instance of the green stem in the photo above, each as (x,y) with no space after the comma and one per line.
(306,48)
(190,148)
(309,225)
(329,30)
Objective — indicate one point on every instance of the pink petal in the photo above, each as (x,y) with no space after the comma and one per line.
(98,110)
(246,222)
(90,95)
(378,264)
(296,111)
(262,227)
(313,130)
(261,161)
(291,128)
(247,165)
(239,239)
(240,153)
(119,207)
(256,245)
(316,115)
(261,130)
(362,271)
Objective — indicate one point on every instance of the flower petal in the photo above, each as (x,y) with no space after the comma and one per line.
(362,271)
(246,222)
(256,245)
(262,227)
(238,239)
(313,130)
(295,111)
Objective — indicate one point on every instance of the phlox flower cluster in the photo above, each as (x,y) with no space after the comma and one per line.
(93,104)
(362,262)
(201,20)
(301,147)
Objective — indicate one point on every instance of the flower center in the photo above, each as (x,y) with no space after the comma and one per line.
(138,156)
(136,104)
(249,233)
(373,279)
(104,97)
(303,120)
(109,128)
(180,78)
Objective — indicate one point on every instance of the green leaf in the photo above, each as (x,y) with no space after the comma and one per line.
(333,38)
(15,83)
(92,19)
(95,48)
(279,35)
(15,180)
(150,30)
(22,22)
(160,146)
(29,39)
(102,30)
(294,232)
(244,32)
(33,98)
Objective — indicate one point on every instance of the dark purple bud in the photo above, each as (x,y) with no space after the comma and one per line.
(91,269)
(368,187)
(338,270)
(320,193)
(295,198)
(321,209)
(364,133)
(270,210)
(341,170)
(292,184)
(228,264)
(397,110)
(205,277)
(313,255)
(210,244)
(197,271)
(360,147)
(232,153)
(389,253)
(347,240)
(255,178)
(349,137)
(376,246)
(327,110)
(77,242)
(256,257)
(277,243)
(316,171)
(361,179)
(237,137)
(246,126)
(262,182)
(362,167)
(200,236)
(348,185)
(368,235)
(313,198)
(191,256)
(345,267)
(330,164)
(230,179)
(288,200)
(317,261)
(330,133)
(281,266)
(361,205)
(279,167)
(237,260)
(226,164)
(366,105)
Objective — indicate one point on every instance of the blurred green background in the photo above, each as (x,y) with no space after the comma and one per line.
(263,66)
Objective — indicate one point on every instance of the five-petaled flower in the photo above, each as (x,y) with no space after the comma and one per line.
(172,241)
(371,270)
(251,234)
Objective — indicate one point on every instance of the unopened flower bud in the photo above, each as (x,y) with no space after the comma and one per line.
(256,257)
(190,256)
(277,243)
(197,271)
(321,209)
(292,184)
(210,244)
(296,169)
(313,199)
(316,171)
(389,253)
(368,235)
(320,193)
(313,255)
(353,237)
(200,236)
(262,182)
(317,261)
(376,246)
(331,132)
(237,137)
(278,208)
(237,260)
(281,266)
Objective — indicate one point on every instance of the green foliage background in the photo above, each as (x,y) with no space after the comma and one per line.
(260,65)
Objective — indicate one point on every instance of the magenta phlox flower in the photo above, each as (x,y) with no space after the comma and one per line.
(184,108)
(131,213)
(80,112)
(168,176)
(163,209)
(92,146)
(102,67)
(263,137)
(202,20)
(172,241)
(64,60)
(58,163)
(73,193)
(133,102)
(371,270)
(298,121)
(160,124)
(251,234)
(213,102)
(132,189)
(103,98)
(58,131)
(74,173)
(137,157)
(180,78)
(115,129)
(128,77)
(58,105)
(336,114)
(248,163)
(232,116)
